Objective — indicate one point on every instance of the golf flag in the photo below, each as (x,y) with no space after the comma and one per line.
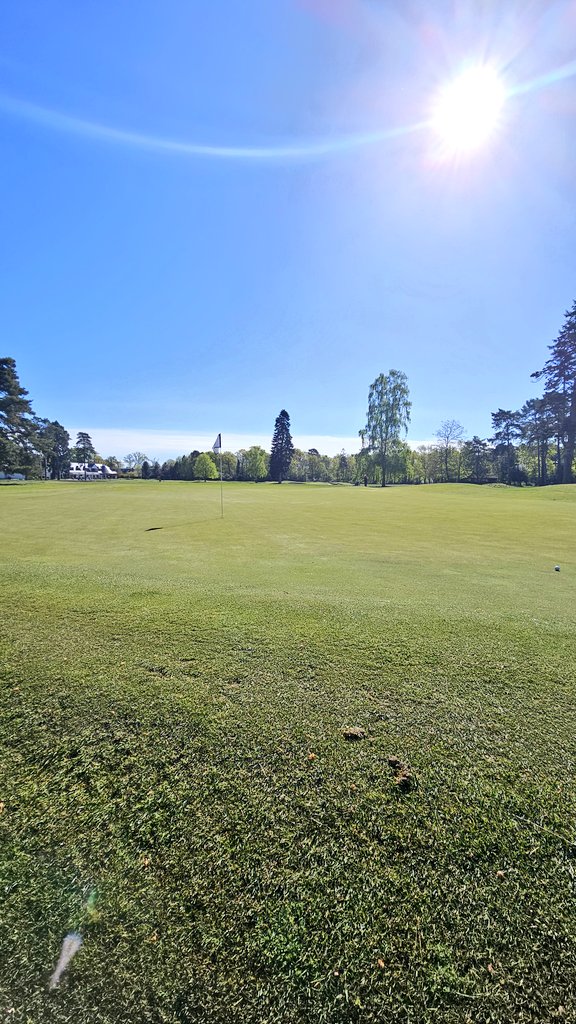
(217,444)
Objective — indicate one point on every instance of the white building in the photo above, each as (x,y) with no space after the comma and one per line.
(91,471)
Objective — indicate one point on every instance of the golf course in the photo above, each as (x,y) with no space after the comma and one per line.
(177,785)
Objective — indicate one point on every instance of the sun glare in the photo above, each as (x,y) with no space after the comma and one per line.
(467,111)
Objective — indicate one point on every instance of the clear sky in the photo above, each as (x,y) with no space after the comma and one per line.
(215,210)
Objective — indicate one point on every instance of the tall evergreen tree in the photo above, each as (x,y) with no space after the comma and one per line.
(17,426)
(342,466)
(167,470)
(559,373)
(506,430)
(52,441)
(85,447)
(538,427)
(84,444)
(476,456)
(282,447)
(388,414)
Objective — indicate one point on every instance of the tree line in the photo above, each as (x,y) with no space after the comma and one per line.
(534,444)
(531,445)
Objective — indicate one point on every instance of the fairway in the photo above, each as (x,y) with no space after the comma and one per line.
(175,784)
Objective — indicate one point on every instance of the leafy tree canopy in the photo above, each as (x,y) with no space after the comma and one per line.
(255,464)
(135,460)
(388,415)
(204,468)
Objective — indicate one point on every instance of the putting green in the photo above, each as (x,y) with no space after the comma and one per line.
(177,786)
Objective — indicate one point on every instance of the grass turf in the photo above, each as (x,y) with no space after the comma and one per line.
(175,783)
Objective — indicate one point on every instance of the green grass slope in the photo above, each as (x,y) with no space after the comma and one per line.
(174,782)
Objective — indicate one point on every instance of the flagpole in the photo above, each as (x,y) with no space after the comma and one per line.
(221,487)
(217,447)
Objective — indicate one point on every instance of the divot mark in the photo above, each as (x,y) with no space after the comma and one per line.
(354,733)
(404,777)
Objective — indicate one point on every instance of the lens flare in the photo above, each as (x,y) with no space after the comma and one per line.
(467,111)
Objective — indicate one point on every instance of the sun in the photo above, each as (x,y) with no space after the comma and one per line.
(467,112)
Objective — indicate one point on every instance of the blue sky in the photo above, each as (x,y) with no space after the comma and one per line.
(155,293)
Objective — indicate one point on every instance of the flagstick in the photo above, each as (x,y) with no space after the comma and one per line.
(217,447)
(221,488)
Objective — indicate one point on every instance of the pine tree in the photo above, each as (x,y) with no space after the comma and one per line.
(85,447)
(52,441)
(84,443)
(475,456)
(17,426)
(559,373)
(282,447)
(506,430)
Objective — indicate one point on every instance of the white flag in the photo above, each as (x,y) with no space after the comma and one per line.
(217,444)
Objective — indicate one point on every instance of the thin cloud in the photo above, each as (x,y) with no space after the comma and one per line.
(301,150)
(163,444)
(168,444)
(64,123)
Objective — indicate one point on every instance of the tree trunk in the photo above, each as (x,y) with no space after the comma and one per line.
(384,453)
(558,471)
(570,428)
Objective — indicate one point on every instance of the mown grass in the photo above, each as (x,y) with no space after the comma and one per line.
(175,783)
